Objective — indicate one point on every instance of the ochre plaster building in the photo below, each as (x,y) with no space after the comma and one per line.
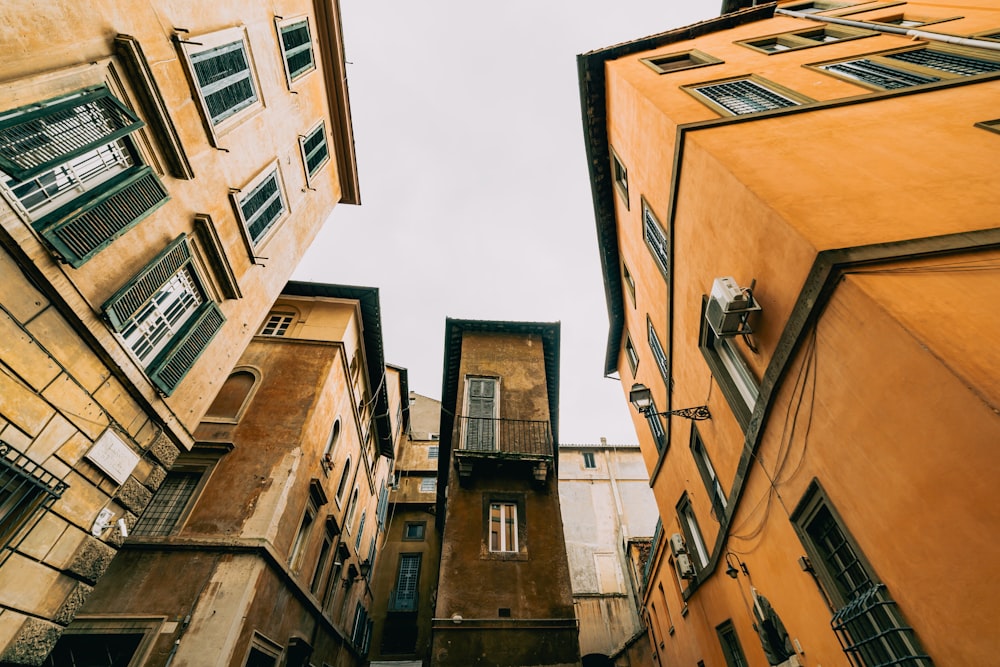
(836,161)
(607,509)
(163,167)
(405,585)
(259,546)
(504,595)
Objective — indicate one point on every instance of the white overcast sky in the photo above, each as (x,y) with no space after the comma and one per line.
(475,195)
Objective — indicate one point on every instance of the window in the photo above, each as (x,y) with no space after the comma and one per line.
(914,67)
(404,595)
(315,152)
(990,125)
(277,324)
(70,166)
(657,349)
(673,62)
(620,175)
(222,73)
(106,650)
(261,204)
(656,428)
(414,530)
(168,504)
(804,39)
(588,460)
(908,20)
(815,6)
(26,490)
(361,531)
(301,537)
(331,444)
(361,629)
(750,94)
(428,484)
(481,412)
(323,561)
(296,48)
(343,482)
(383,507)
(351,508)
(629,282)
(262,653)
(503,527)
(630,354)
(164,316)
(708,475)
(234,396)
(735,379)
(867,621)
(432,452)
(731,648)
(656,239)
(692,533)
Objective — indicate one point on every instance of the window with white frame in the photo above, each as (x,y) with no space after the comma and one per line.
(708,474)
(503,527)
(692,533)
(656,239)
(588,460)
(277,324)
(315,152)
(222,71)
(751,94)
(261,205)
(164,316)
(70,167)
(295,38)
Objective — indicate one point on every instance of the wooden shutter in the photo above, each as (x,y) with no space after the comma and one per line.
(297,47)
(36,138)
(481,410)
(224,78)
(82,228)
(175,361)
(127,301)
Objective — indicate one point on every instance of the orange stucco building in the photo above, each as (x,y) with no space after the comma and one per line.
(796,211)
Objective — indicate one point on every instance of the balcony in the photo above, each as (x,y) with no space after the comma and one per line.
(482,438)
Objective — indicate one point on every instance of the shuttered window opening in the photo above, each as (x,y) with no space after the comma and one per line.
(36,138)
(224,78)
(26,490)
(296,47)
(745,96)
(878,74)
(164,316)
(947,62)
(658,353)
(262,206)
(314,150)
(78,231)
(656,240)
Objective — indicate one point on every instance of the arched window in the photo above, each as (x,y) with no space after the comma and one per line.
(343,480)
(233,397)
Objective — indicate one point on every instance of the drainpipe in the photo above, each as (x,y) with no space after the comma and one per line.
(896,30)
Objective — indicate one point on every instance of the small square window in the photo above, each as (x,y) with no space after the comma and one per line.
(745,95)
(804,39)
(991,125)
(277,324)
(815,6)
(414,530)
(673,62)
(588,460)
(296,48)
(432,452)
(428,485)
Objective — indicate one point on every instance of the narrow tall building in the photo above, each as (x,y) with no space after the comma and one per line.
(163,167)
(504,596)
(259,546)
(796,206)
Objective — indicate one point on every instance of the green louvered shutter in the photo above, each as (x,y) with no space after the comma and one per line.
(37,137)
(86,225)
(173,364)
(296,46)
(127,301)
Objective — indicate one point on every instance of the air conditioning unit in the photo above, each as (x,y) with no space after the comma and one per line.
(685,568)
(677,545)
(729,306)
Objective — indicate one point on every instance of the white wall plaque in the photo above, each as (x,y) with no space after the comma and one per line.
(113,456)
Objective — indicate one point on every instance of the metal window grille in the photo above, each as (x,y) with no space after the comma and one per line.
(277,325)
(224,78)
(38,137)
(947,62)
(262,206)
(168,504)
(873,634)
(658,353)
(26,490)
(656,240)
(731,646)
(433,452)
(877,74)
(164,315)
(296,46)
(315,151)
(744,96)
(843,564)
(404,597)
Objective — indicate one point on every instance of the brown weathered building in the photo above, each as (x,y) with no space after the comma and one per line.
(796,210)
(163,167)
(258,547)
(504,595)
(405,585)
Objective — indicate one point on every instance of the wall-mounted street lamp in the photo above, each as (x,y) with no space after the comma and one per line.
(731,569)
(642,398)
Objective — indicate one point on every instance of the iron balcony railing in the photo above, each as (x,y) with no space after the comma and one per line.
(403,600)
(519,437)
